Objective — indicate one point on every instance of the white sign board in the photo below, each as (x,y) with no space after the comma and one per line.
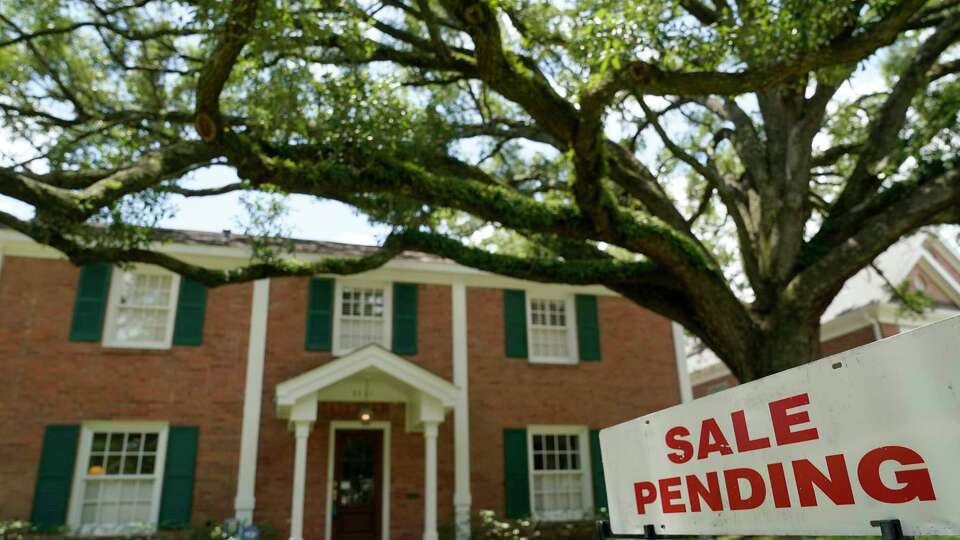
(822,449)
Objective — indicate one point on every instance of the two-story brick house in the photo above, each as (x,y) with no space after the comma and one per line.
(380,405)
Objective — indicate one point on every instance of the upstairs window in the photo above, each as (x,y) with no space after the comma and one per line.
(142,308)
(550,330)
(119,475)
(363,317)
(559,476)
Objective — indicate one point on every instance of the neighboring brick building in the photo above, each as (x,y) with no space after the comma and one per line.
(866,309)
(382,405)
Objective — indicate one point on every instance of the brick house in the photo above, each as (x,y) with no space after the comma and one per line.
(866,310)
(384,405)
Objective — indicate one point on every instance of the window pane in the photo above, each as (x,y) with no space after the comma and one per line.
(143,308)
(113,464)
(362,318)
(150,442)
(99,442)
(133,442)
(130,464)
(146,466)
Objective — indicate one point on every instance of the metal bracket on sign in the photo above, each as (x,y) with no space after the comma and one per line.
(605,533)
(890,529)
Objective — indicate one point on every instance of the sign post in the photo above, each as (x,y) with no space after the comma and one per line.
(864,439)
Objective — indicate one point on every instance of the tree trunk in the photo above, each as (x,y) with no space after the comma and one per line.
(787,339)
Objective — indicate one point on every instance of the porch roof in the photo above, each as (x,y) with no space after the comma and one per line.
(368,360)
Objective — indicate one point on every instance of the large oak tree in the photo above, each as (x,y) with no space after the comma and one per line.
(711,160)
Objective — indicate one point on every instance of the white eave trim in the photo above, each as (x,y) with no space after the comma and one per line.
(371,356)
(885,313)
(17,245)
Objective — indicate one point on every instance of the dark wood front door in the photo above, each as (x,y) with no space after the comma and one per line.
(357,484)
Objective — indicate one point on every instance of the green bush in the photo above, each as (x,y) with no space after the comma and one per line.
(22,530)
(486,525)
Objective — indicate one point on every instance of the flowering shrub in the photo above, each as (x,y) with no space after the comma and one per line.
(22,530)
(487,526)
(13,529)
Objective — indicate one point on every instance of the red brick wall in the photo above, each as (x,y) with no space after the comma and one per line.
(48,379)
(637,375)
(856,339)
(716,385)
(287,358)
(846,342)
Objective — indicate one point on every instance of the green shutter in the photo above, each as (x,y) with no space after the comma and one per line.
(191,307)
(405,318)
(176,503)
(91,302)
(320,315)
(596,466)
(515,323)
(54,476)
(588,328)
(516,473)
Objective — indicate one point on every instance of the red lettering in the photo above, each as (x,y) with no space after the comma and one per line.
(783,421)
(778,485)
(646,493)
(836,486)
(709,494)
(732,477)
(684,447)
(915,483)
(668,495)
(742,434)
(712,440)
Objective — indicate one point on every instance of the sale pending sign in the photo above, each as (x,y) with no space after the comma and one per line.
(825,448)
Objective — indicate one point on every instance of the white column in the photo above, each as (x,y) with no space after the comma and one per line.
(430,481)
(683,373)
(461,416)
(302,433)
(253,393)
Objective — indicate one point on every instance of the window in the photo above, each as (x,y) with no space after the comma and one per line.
(559,473)
(118,475)
(142,308)
(363,316)
(550,329)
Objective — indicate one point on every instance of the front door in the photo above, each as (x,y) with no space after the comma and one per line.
(357,484)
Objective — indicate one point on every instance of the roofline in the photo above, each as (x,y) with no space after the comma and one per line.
(15,244)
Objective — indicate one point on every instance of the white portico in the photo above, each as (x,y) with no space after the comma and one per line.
(370,374)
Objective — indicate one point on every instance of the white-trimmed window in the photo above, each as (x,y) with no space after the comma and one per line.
(551,334)
(363,316)
(559,472)
(117,483)
(141,308)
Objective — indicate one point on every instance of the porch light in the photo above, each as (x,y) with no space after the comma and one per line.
(366,413)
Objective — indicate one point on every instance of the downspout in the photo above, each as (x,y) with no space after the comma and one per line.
(874,319)
(680,354)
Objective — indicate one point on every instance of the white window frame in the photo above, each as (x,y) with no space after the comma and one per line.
(87,430)
(582,433)
(338,309)
(113,304)
(571,317)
